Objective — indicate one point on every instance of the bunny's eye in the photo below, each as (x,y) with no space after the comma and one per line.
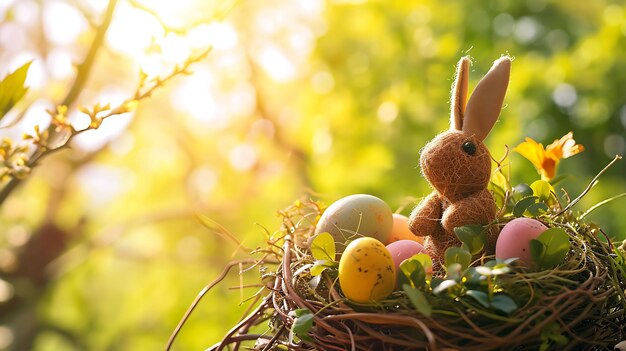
(469,147)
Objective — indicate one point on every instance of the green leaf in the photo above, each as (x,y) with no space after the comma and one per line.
(435,281)
(551,332)
(522,205)
(484,270)
(319,266)
(500,269)
(425,261)
(499,194)
(473,278)
(542,190)
(444,285)
(302,323)
(473,236)
(504,303)
(507,262)
(522,190)
(479,296)
(457,255)
(537,209)
(412,272)
(550,248)
(12,89)
(454,271)
(418,299)
(536,251)
(323,247)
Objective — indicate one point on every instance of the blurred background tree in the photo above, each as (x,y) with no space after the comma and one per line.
(100,247)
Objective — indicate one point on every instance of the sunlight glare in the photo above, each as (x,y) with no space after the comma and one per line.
(26,12)
(220,35)
(174,49)
(276,64)
(102,184)
(194,96)
(241,101)
(177,13)
(132,30)
(4,5)
(313,7)
(63,23)
(59,64)
(96,5)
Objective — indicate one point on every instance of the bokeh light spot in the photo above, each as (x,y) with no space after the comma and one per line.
(565,95)
(6,337)
(322,82)
(243,157)
(62,22)
(614,144)
(387,112)
(504,24)
(6,293)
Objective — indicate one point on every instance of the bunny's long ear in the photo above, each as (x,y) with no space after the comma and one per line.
(483,107)
(459,93)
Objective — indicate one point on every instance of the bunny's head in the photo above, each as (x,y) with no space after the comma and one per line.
(457,163)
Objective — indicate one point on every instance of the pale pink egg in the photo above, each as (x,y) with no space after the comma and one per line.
(400,230)
(402,249)
(515,237)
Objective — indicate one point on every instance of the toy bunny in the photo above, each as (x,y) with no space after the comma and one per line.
(457,164)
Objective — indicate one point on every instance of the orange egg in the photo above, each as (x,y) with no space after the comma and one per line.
(400,230)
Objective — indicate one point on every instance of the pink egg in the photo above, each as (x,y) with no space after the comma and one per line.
(402,249)
(400,230)
(515,237)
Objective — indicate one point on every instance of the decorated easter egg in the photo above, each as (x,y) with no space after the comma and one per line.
(355,216)
(366,271)
(400,230)
(402,249)
(514,239)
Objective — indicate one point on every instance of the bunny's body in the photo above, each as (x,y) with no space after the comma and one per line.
(457,164)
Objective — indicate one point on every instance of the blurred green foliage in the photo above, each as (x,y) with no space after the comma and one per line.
(324,99)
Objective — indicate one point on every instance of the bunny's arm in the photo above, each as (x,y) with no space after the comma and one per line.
(425,219)
(478,208)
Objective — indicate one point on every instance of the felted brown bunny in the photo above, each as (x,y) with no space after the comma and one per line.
(457,164)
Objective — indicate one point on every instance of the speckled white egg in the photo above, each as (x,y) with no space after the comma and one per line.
(355,216)
(514,239)
(366,271)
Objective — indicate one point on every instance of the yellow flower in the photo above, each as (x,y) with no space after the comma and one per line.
(546,160)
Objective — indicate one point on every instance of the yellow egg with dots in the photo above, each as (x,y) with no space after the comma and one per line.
(366,271)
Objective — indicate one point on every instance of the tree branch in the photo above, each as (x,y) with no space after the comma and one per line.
(84,69)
